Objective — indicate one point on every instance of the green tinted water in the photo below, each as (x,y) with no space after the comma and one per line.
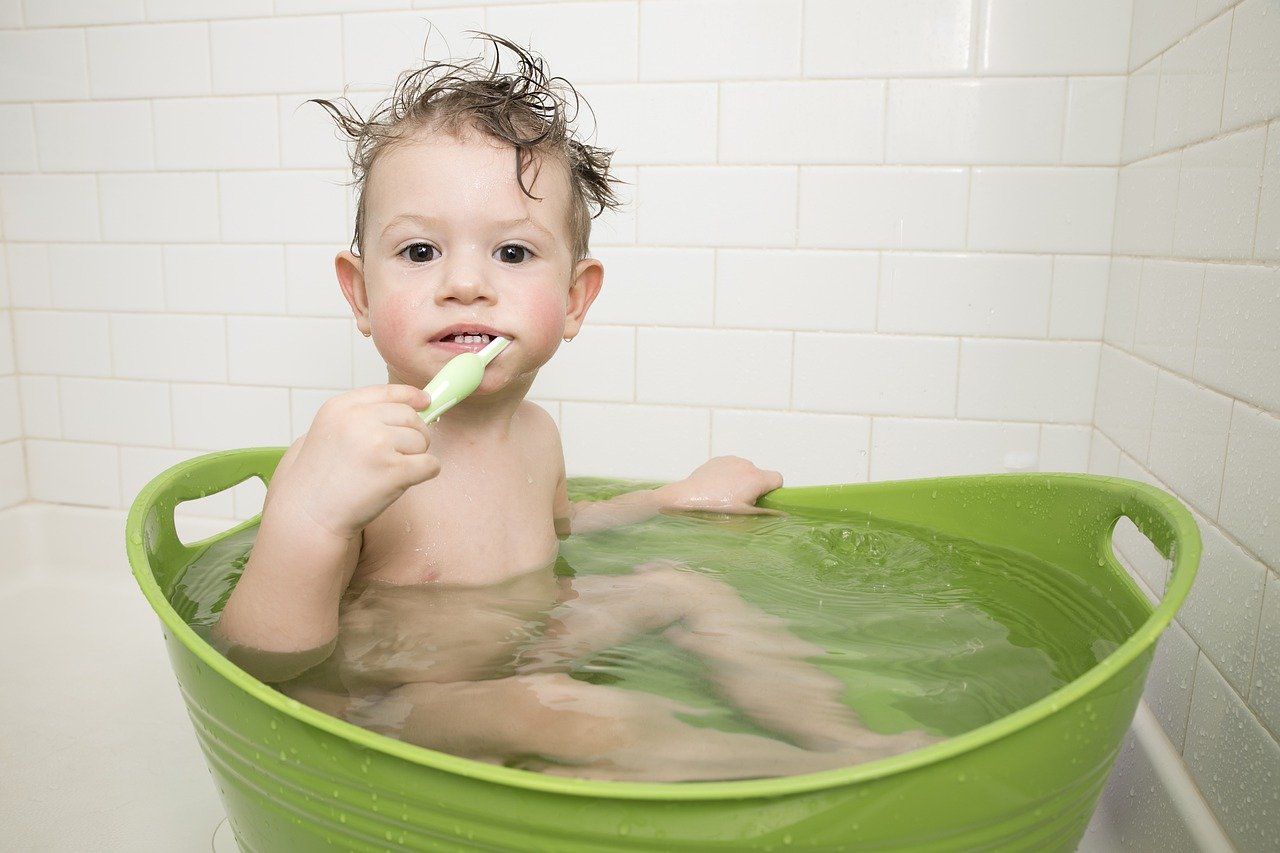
(926,630)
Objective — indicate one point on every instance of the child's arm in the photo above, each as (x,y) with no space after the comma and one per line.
(725,484)
(364,449)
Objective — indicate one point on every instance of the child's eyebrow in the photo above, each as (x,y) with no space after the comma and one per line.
(523,222)
(431,221)
(409,219)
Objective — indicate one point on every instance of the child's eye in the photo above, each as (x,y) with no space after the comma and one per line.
(512,253)
(420,253)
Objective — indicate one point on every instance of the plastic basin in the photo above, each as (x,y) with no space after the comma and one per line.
(294,779)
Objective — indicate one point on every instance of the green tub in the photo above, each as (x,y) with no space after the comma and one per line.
(294,779)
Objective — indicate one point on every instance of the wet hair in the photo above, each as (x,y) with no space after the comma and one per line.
(525,108)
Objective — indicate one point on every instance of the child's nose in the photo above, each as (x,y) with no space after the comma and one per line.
(464,281)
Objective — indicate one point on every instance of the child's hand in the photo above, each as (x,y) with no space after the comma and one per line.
(364,449)
(727,484)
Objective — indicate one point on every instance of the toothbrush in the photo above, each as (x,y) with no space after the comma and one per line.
(459,378)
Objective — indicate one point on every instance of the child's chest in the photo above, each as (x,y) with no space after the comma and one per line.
(486,517)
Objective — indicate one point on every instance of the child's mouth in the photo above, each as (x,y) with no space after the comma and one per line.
(468,338)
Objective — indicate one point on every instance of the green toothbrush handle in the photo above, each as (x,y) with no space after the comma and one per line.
(454,383)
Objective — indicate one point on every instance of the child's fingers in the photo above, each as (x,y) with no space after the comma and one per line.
(418,467)
(415,398)
(772,480)
(406,440)
(400,415)
(403,394)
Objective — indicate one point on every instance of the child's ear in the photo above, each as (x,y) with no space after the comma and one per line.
(588,276)
(350,271)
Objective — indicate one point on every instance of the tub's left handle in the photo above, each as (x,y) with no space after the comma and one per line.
(150,533)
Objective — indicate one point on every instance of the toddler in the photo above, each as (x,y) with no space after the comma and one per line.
(403,575)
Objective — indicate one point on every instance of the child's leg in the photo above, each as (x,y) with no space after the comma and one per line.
(754,661)
(551,723)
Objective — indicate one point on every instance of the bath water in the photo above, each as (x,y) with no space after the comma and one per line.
(926,631)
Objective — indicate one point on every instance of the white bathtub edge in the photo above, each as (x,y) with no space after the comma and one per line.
(1151,802)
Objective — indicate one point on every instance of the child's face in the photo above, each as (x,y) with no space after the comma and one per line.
(453,245)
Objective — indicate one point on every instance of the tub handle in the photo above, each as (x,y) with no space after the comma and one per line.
(1168,525)
(150,533)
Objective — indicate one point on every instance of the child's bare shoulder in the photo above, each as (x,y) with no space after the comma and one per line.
(537,422)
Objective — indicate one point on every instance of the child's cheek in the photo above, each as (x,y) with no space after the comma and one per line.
(547,317)
(390,328)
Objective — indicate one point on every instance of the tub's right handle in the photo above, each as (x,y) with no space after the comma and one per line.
(1170,527)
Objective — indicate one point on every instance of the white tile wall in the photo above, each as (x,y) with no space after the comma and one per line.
(1095,120)
(718,39)
(1146,204)
(1042,209)
(1051,381)
(69,343)
(115,411)
(148,61)
(1236,348)
(1168,313)
(160,207)
(1138,131)
(876,374)
(288,351)
(1090,37)
(43,65)
(864,239)
(225,279)
(216,133)
(1224,609)
(49,207)
(599,365)
(725,206)
(1189,429)
(1238,782)
(721,367)
(17,138)
(633,121)
(597,40)
(663,442)
(285,54)
(865,38)
(1187,391)
(1265,690)
(1079,299)
(1266,243)
(1251,482)
(172,347)
(784,442)
(1125,401)
(896,208)
(976,121)
(1192,74)
(908,449)
(821,121)
(811,290)
(283,207)
(1251,92)
(1218,196)
(377,47)
(656,286)
(94,137)
(956,294)
(106,277)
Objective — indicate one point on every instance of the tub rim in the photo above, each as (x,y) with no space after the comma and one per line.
(1180,541)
